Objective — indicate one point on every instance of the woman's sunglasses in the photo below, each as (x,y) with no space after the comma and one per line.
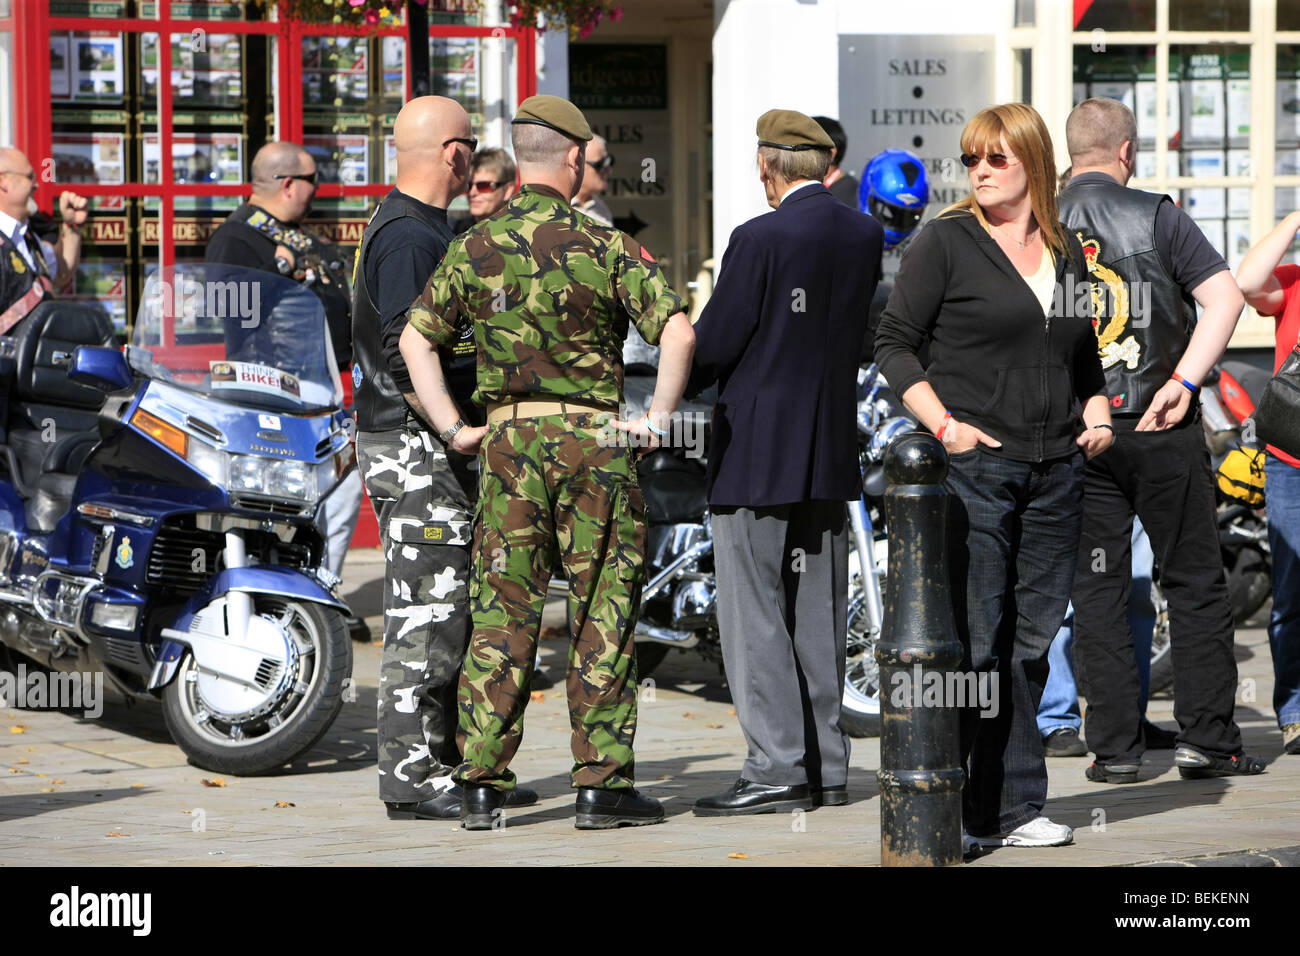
(996,160)
(602,165)
(484,186)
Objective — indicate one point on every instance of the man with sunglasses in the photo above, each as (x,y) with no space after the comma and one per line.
(594,182)
(491,185)
(30,266)
(266,233)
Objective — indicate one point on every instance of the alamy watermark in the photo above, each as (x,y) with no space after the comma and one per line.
(39,689)
(209,298)
(934,688)
(685,430)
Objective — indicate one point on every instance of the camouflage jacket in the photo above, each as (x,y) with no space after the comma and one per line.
(550,292)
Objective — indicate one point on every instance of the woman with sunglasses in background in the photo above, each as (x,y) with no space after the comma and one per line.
(1014,390)
(492,176)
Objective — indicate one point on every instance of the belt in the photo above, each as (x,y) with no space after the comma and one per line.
(535,408)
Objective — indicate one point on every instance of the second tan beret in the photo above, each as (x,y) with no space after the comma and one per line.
(792,130)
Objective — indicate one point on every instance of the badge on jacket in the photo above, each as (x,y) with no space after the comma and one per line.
(19,265)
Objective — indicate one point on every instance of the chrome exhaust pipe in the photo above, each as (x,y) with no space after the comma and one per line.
(665,635)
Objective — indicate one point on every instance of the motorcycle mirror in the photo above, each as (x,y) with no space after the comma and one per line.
(102,368)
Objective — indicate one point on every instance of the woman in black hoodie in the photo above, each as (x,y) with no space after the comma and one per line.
(1014,390)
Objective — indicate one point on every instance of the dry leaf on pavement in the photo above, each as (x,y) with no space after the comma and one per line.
(537,695)
(18,728)
(214,782)
(24,760)
(714,726)
(284,803)
(737,856)
(114,833)
(688,715)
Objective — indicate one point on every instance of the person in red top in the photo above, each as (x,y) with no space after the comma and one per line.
(1273,289)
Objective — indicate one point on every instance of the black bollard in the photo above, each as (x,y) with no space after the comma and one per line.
(920,772)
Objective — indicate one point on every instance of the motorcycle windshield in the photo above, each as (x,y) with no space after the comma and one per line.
(238,335)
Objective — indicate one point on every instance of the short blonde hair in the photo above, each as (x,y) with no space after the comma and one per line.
(1025,134)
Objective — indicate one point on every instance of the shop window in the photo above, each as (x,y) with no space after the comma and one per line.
(1210,15)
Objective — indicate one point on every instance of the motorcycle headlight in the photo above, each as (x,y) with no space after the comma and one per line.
(291,479)
(213,464)
(246,474)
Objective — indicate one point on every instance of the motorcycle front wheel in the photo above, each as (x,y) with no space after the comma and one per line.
(860,705)
(293,716)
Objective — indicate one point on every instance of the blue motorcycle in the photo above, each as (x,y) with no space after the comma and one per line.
(157,511)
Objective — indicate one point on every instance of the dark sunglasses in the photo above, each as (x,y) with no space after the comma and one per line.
(471,142)
(487,185)
(996,160)
(305,177)
(602,165)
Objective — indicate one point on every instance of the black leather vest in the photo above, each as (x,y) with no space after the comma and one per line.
(1147,318)
(378,403)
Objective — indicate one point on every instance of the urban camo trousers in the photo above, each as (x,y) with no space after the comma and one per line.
(552,489)
(424,502)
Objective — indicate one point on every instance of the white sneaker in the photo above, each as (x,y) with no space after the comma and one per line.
(1039,831)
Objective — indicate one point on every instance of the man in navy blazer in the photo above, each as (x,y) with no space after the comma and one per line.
(781,335)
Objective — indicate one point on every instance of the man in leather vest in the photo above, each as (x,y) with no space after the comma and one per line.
(1150,264)
(424,492)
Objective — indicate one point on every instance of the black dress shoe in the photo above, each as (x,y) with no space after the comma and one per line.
(446,805)
(747,797)
(829,796)
(600,809)
(481,807)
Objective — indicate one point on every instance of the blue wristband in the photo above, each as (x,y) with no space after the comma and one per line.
(653,430)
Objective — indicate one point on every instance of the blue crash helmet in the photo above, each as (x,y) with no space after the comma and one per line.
(895,190)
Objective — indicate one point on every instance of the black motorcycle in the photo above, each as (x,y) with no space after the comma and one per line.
(678,603)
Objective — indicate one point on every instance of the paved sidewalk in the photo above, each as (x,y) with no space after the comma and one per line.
(117,792)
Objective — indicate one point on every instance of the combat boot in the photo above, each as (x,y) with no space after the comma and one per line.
(600,809)
(482,808)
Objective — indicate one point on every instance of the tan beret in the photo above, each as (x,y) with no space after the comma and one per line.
(559,114)
(790,129)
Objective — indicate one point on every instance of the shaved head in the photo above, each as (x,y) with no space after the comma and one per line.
(1096,130)
(426,122)
(431,166)
(278,159)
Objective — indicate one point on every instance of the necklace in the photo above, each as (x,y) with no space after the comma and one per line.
(1023,245)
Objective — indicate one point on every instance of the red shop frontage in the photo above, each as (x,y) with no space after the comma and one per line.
(94,113)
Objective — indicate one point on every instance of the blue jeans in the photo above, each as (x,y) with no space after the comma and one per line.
(1282,484)
(1060,704)
(1013,528)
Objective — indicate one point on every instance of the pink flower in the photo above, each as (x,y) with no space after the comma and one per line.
(372,16)
(585,31)
(616,14)
(355,3)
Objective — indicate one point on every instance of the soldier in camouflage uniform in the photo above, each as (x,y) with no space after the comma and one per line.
(423,488)
(551,293)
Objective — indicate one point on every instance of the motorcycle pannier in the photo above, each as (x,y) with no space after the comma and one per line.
(1241,476)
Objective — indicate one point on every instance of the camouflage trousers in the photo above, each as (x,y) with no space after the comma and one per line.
(550,490)
(424,503)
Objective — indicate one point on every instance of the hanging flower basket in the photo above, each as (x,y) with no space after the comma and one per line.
(582,16)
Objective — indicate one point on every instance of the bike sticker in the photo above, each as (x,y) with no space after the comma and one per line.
(125,556)
(356,376)
(269,421)
(252,377)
